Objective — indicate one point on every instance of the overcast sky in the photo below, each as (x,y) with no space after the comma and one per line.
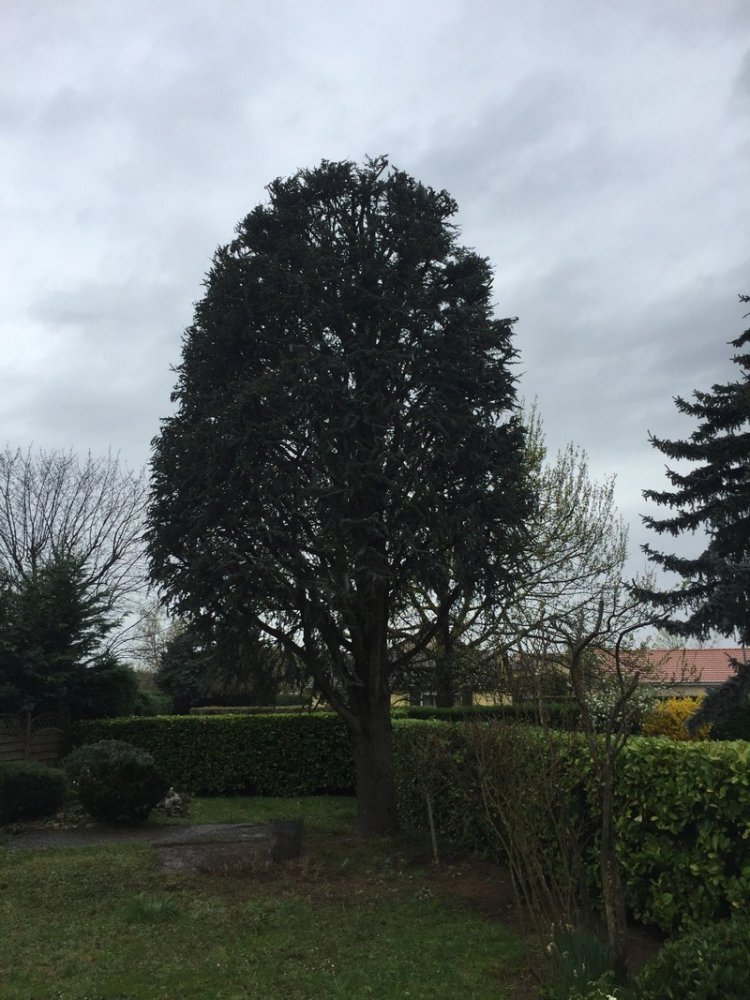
(599,153)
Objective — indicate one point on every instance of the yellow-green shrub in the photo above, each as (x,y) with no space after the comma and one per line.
(670,718)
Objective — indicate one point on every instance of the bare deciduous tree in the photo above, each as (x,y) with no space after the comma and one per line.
(54,506)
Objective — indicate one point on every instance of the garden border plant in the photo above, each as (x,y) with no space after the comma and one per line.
(29,790)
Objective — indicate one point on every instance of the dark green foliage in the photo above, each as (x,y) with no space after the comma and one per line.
(711,963)
(223,667)
(227,754)
(52,623)
(292,700)
(248,710)
(29,791)
(346,415)
(727,709)
(433,758)
(558,715)
(106,689)
(715,497)
(152,703)
(116,781)
(182,671)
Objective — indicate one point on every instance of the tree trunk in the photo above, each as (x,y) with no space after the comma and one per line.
(373,759)
(445,695)
(612,888)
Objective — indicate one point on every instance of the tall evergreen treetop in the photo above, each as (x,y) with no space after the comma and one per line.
(345,417)
(713,497)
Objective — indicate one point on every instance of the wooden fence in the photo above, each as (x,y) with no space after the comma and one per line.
(41,738)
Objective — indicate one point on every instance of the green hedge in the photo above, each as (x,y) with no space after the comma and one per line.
(249,710)
(29,791)
(682,814)
(560,714)
(229,754)
(683,818)
(709,963)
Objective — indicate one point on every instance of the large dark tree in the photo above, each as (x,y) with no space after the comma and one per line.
(345,418)
(714,497)
(237,668)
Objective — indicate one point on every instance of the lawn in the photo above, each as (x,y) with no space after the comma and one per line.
(349,919)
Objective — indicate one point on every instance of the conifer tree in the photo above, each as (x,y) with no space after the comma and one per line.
(714,497)
(346,415)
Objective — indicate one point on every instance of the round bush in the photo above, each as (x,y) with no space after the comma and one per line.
(710,963)
(116,781)
(670,718)
(29,791)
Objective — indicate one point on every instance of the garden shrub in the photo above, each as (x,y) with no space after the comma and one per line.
(670,718)
(29,791)
(432,758)
(710,963)
(116,781)
(680,812)
(283,755)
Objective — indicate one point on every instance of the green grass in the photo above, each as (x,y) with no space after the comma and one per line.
(350,919)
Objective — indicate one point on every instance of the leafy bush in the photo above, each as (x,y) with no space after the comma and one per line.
(433,758)
(711,962)
(29,791)
(678,809)
(104,690)
(605,705)
(670,718)
(284,755)
(115,781)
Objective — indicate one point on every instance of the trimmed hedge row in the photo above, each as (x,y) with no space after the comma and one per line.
(560,715)
(270,755)
(682,813)
(29,791)
(249,710)
(683,818)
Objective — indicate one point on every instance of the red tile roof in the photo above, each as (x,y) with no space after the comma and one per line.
(693,666)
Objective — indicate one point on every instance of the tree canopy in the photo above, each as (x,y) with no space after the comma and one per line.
(71,559)
(714,497)
(345,417)
(575,554)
